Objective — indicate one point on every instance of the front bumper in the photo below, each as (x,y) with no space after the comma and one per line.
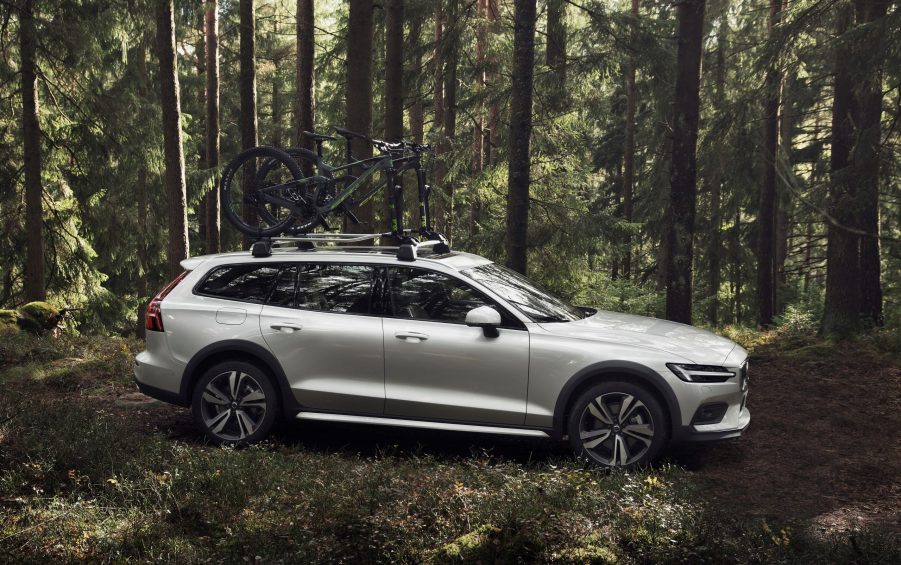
(714,432)
(730,396)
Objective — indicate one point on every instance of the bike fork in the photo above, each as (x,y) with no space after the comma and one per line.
(395,197)
(425,219)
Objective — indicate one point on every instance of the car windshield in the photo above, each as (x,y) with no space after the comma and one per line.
(533,301)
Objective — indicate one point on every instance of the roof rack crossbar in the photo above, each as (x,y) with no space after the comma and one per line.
(406,251)
(329,238)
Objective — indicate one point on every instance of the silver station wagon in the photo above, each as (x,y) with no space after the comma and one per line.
(446,341)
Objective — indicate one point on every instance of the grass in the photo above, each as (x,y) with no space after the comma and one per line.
(83,479)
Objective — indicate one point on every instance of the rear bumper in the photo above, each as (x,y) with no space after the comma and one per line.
(147,372)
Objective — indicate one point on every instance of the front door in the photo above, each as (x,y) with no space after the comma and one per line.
(437,367)
(318,323)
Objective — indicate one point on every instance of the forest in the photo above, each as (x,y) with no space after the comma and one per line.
(719,163)
(733,164)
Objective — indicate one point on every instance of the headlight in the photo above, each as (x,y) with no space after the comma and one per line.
(700,373)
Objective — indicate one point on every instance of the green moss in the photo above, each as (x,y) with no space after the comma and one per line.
(38,317)
(475,545)
(591,549)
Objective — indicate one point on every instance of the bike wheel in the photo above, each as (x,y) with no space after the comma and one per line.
(245,202)
(305,216)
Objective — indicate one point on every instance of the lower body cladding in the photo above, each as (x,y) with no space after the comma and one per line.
(420,424)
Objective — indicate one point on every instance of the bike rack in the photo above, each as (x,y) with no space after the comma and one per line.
(406,251)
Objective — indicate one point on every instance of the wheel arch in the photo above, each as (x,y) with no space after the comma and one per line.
(244,351)
(608,371)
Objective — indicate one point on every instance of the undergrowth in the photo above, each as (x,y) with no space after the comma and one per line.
(80,480)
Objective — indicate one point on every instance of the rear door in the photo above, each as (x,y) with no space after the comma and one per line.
(437,367)
(319,323)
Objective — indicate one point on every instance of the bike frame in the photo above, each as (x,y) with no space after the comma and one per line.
(387,163)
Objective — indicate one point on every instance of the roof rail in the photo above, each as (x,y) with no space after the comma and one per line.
(406,250)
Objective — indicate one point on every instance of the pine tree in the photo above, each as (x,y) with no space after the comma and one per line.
(520,133)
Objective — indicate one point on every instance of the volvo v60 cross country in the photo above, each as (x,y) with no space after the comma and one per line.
(448,341)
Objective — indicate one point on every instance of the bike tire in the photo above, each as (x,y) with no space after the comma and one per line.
(228,176)
(310,219)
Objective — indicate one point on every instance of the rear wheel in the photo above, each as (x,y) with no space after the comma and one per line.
(272,171)
(262,206)
(618,424)
(234,403)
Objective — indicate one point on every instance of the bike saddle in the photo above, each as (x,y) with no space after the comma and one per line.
(349,134)
(318,136)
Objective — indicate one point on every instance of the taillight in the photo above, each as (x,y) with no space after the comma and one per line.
(153,320)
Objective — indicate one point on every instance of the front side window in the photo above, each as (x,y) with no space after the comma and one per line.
(420,294)
(247,283)
(532,300)
(325,287)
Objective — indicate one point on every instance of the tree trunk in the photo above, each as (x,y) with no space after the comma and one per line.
(450,107)
(766,224)
(31,136)
(478,127)
(248,94)
(629,147)
(358,95)
(200,60)
(716,181)
(555,54)
(143,210)
(438,204)
(394,83)
(305,101)
(520,133)
(841,316)
(172,137)
(478,133)
(683,168)
(491,74)
(414,87)
(866,162)
(213,218)
(394,70)
(141,189)
(783,195)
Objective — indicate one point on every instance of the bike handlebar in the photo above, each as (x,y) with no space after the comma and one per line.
(384,146)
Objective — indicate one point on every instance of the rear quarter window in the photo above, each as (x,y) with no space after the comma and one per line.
(247,283)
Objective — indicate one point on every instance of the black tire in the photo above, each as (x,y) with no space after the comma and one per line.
(598,434)
(245,392)
(271,223)
(307,219)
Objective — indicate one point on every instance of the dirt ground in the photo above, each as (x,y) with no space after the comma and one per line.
(824,442)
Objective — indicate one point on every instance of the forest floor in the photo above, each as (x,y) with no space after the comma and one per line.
(90,469)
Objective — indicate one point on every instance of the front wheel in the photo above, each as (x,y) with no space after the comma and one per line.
(618,424)
(234,403)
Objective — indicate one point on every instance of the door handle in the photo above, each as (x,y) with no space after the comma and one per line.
(286,327)
(411,337)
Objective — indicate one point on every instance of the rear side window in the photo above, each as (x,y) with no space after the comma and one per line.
(247,283)
(283,293)
(325,287)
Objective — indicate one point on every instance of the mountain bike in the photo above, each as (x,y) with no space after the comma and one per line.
(268,191)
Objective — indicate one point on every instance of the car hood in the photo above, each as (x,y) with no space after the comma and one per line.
(690,343)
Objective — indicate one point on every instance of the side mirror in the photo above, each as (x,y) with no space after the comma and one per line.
(484,317)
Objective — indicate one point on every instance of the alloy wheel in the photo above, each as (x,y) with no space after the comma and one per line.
(616,429)
(233,405)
